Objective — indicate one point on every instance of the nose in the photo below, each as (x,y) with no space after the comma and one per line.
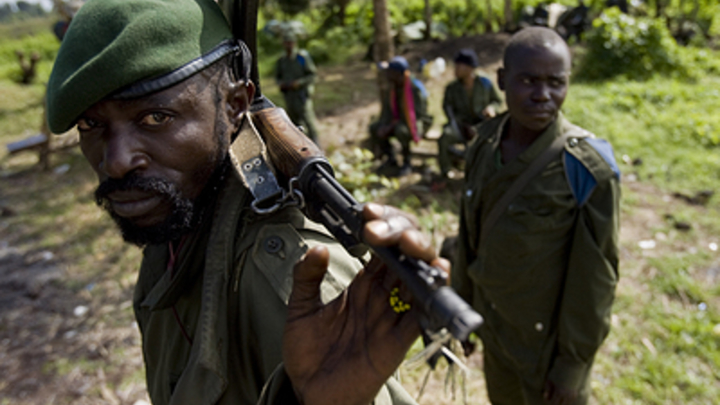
(123,153)
(541,92)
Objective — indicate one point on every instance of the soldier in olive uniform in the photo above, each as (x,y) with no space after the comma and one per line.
(403,114)
(467,102)
(233,305)
(540,265)
(295,73)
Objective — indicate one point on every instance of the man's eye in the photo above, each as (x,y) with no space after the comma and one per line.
(155,119)
(86,124)
(526,80)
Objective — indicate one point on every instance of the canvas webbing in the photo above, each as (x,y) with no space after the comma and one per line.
(535,167)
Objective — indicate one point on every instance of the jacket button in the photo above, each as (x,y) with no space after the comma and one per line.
(468,193)
(573,142)
(273,244)
(539,327)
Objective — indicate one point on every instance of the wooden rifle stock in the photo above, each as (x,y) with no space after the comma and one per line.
(298,158)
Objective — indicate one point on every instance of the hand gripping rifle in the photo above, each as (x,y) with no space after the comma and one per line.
(299,163)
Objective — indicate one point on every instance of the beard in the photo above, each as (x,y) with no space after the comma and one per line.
(185,214)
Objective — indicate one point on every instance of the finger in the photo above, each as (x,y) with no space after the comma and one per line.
(307,276)
(442,264)
(416,244)
(377,211)
(382,232)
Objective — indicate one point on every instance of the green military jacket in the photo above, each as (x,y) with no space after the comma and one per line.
(212,324)
(545,279)
(298,67)
(468,108)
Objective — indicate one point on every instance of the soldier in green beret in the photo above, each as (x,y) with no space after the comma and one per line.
(295,73)
(538,243)
(235,306)
(467,102)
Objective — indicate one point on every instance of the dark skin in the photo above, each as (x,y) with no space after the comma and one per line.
(351,346)
(535,83)
(326,347)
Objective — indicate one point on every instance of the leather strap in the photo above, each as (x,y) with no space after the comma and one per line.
(250,162)
(535,167)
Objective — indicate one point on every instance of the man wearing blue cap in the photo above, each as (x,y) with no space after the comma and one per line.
(403,114)
(234,306)
(467,102)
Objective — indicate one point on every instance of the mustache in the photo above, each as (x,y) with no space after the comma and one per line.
(155,185)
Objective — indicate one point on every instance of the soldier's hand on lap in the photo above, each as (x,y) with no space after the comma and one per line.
(488,112)
(343,352)
(558,395)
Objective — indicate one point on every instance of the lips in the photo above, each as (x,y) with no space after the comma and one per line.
(541,113)
(134,204)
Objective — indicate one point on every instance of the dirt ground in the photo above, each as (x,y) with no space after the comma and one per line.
(52,337)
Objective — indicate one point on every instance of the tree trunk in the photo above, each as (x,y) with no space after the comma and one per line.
(659,8)
(489,17)
(428,20)
(509,21)
(342,7)
(383,41)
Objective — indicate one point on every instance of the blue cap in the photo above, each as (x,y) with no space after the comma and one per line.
(399,63)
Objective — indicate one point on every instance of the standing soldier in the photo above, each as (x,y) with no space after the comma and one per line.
(160,91)
(295,73)
(468,101)
(538,244)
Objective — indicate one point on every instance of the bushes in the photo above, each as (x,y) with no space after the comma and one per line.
(637,48)
(45,44)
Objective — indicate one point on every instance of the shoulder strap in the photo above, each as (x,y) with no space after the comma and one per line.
(535,167)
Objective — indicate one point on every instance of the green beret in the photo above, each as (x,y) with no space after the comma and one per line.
(133,47)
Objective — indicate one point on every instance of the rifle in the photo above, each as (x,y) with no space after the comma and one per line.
(453,122)
(300,164)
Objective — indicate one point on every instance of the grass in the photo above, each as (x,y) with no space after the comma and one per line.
(664,346)
(670,125)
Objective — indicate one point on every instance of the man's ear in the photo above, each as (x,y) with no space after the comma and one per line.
(501,78)
(239,98)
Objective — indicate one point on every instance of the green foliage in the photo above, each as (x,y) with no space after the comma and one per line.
(353,169)
(638,48)
(293,7)
(44,43)
(672,125)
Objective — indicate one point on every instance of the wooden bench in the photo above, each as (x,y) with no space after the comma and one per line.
(44,145)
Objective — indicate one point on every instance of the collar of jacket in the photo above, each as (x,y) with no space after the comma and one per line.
(540,143)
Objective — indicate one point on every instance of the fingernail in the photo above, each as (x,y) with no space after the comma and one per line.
(376,209)
(378,227)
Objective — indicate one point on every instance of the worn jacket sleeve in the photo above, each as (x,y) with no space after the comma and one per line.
(592,274)
(459,278)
